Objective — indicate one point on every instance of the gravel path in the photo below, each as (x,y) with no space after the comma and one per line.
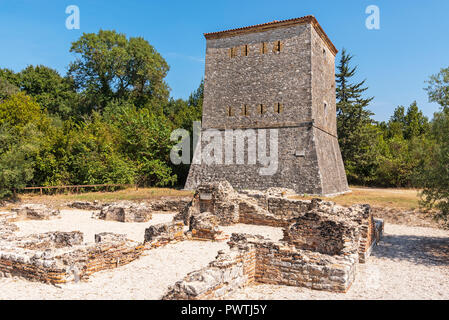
(410,263)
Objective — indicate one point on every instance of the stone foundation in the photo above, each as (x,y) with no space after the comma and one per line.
(35,212)
(86,205)
(273,208)
(321,247)
(60,257)
(161,234)
(257,260)
(125,211)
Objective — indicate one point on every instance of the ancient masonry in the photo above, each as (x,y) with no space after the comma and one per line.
(321,248)
(322,243)
(278,75)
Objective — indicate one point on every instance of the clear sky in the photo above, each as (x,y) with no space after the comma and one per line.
(412,43)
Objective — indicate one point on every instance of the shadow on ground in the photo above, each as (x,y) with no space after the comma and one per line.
(429,251)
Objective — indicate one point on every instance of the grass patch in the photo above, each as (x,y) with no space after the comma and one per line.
(404,199)
(125,194)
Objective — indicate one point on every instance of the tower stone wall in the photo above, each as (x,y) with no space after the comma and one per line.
(279,75)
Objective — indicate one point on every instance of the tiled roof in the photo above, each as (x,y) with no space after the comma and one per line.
(272,25)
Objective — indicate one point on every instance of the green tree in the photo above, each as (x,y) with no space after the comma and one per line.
(145,139)
(356,133)
(182,114)
(7,89)
(53,92)
(110,66)
(435,176)
(19,110)
(406,148)
(408,124)
(438,88)
(94,155)
(10,76)
(17,148)
(22,126)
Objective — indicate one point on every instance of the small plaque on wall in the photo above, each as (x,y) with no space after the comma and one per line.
(205,196)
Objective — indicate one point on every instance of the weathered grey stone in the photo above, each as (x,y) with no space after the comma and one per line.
(125,211)
(300,79)
(86,205)
(164,231)
(36,212)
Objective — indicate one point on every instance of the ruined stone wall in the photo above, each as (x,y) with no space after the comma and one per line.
(125,211)
(287,208)
(256,260)
(323,233)
(60,257)
(228,272)
(281,265)
(161,234)
(250,215)
(169,204)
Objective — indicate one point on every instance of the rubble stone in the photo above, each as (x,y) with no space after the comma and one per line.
(36,212)
(86,205)
(322,244)
(125,211)
(164,233)
(204,225)
(60,257)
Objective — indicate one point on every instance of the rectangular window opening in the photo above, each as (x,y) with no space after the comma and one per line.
(278,108)
(245,110)
(232,52)
(263,48)
(277,46)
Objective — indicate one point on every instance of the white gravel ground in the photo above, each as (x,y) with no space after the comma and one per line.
(410,263)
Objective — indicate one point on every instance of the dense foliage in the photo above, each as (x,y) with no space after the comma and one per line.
(386,154)
(435,176)
(107,121)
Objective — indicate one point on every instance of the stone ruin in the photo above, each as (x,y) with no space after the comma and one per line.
(125,211)
(61,257)
(86,205)
(322,243)
(35,212)
(129,211)
(321,248)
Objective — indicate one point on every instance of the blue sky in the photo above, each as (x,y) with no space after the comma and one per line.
(412,42)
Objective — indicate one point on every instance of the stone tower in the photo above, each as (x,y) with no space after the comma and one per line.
(278,75)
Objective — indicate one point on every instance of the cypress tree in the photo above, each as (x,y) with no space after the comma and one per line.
(356,133)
